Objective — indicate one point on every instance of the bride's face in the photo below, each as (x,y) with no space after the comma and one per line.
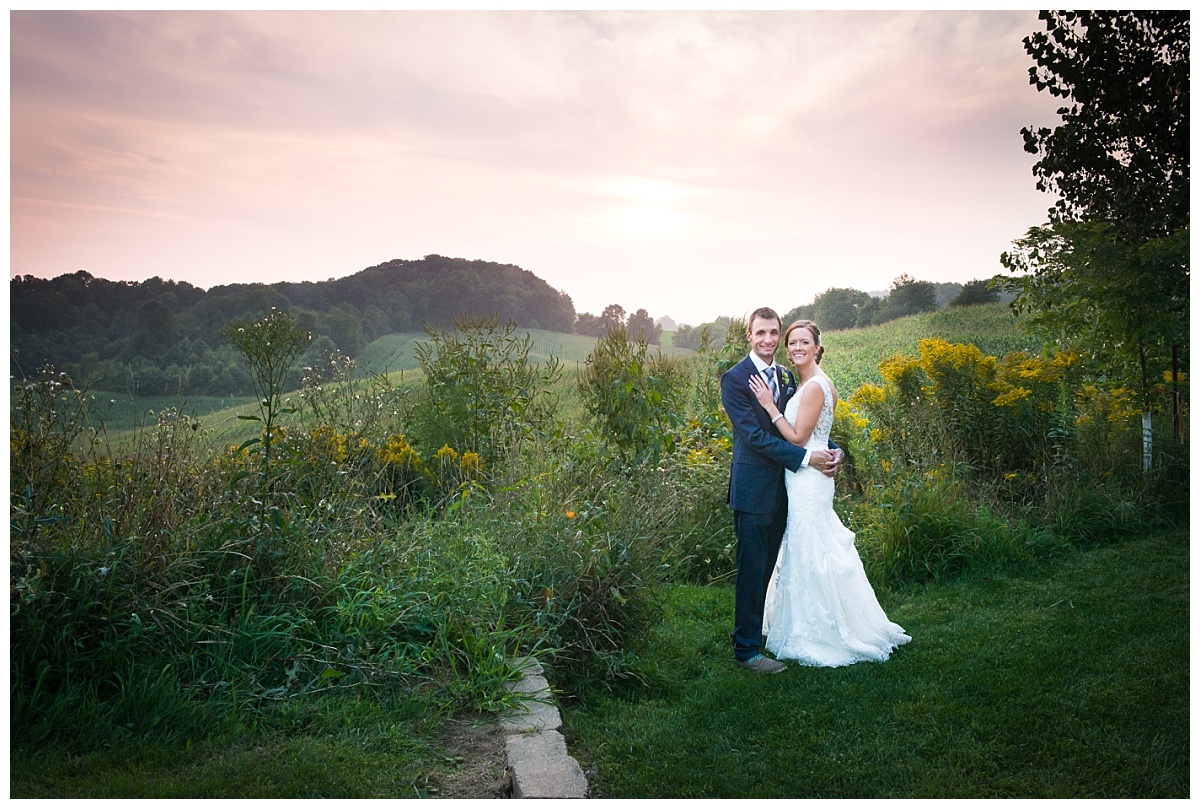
(801,347)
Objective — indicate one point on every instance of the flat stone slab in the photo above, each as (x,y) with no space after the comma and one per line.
(538,761)
(559,777)
(528,746)
(531,717)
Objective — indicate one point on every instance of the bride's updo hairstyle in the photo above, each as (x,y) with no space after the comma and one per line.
(812,327)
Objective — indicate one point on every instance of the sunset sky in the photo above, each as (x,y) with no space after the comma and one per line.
(693,164)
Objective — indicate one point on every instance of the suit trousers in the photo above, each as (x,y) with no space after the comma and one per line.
(759,537)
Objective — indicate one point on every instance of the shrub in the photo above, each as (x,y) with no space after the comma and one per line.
(482,392)
(634,398)
(270,346)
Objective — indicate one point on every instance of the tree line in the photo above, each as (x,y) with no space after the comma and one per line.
(157,336)
(843,308)
(166,337)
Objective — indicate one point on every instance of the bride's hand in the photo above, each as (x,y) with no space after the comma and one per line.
(762,392)
(835,460)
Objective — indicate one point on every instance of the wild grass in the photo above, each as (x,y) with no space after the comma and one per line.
(1068,679)
(852,356)
(177,587)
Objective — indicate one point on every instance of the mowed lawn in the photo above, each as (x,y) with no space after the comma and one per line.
(1069,680)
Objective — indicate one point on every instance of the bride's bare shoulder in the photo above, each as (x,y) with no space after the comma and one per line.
(832,387)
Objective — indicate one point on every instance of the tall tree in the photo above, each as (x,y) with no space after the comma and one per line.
(838,308)
(641,326)
(613,317)
(1121,154)
(588,324)
(976,293)
(909,297)
(1111,274)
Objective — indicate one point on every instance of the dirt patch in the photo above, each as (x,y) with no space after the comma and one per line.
(477,766)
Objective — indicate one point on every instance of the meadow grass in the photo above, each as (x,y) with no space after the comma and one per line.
(398,352)
(393,356)
(336,747)
(852,356)
(1066,680)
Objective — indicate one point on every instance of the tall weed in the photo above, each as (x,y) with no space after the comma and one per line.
(924,527)
(635,398)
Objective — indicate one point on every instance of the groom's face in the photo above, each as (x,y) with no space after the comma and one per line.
(764,338)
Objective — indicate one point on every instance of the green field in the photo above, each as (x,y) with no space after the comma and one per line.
(852,356)
(397,352)
(394,355)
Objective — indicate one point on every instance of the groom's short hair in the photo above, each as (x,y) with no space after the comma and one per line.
(764,313)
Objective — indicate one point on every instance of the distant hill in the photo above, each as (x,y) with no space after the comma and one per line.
(165,336)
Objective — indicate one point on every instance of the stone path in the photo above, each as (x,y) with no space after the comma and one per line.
(536,751)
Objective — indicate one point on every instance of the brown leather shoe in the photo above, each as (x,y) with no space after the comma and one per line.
(761,665)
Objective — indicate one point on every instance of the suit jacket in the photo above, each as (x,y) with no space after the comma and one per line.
(760,453)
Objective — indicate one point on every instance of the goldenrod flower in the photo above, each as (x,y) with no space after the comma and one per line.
(1012,396)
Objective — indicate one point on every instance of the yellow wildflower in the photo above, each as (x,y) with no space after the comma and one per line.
(470,463)
(1012,396)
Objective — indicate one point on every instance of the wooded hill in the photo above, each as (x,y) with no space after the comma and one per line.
(161,335)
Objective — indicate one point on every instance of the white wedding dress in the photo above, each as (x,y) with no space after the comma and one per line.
(820,608)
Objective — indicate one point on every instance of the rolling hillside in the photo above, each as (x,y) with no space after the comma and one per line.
(397,352)
(852,358)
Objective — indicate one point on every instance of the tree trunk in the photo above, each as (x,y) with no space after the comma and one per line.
(1147,441)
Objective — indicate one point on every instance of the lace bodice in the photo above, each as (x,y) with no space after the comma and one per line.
(820,434)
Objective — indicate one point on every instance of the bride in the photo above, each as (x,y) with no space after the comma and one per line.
(820,609)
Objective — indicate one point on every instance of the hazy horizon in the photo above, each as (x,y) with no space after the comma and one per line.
(694,164)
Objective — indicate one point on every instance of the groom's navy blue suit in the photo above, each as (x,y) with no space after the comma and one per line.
(756,495)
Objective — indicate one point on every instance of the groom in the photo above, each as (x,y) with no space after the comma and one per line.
(756,490)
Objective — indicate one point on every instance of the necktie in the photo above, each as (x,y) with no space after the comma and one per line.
(769,373)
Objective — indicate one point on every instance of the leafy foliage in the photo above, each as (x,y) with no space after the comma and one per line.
(976,293)
(641,326)
(482,392)
(1111,274)
(842,309)
(1124,306)
(1122,152)
(908,296)
(634,397)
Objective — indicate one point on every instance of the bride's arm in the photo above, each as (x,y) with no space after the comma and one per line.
(811,399)
(806,418)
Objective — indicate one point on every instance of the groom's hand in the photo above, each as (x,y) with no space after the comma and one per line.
(835,461)
(820,459)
